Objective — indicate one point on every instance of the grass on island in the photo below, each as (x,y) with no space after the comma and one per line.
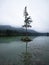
(25,39)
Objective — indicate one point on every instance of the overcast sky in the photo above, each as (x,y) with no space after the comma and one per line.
(11,13)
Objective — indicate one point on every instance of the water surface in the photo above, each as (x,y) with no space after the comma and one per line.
(15,52)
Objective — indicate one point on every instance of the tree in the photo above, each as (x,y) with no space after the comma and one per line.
(27,20)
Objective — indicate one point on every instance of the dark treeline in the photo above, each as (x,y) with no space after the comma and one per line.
(11,33)
(20,33)
(7,32)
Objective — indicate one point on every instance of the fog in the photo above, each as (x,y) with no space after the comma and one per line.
(12,13)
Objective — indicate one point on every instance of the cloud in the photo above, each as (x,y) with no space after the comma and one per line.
(11,12)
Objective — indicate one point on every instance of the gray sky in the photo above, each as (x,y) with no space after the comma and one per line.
(11,13)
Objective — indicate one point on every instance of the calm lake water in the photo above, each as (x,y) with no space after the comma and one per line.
(15,52)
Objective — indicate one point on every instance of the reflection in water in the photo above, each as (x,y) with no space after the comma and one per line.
(16,52)
(11,39)
(7,39)
(28,58)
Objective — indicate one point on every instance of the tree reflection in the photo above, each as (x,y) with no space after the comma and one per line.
(27,56)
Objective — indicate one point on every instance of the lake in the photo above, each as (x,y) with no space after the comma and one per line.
(13,51)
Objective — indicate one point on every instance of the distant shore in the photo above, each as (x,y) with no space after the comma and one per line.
(9,33)
(12,31)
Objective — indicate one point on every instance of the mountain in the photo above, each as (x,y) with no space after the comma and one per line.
(7,27)
(9,30)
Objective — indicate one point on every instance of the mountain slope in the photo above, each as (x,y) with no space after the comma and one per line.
(9,30)
(5,27)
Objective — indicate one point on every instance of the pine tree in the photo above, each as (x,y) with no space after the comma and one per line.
(27,20)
